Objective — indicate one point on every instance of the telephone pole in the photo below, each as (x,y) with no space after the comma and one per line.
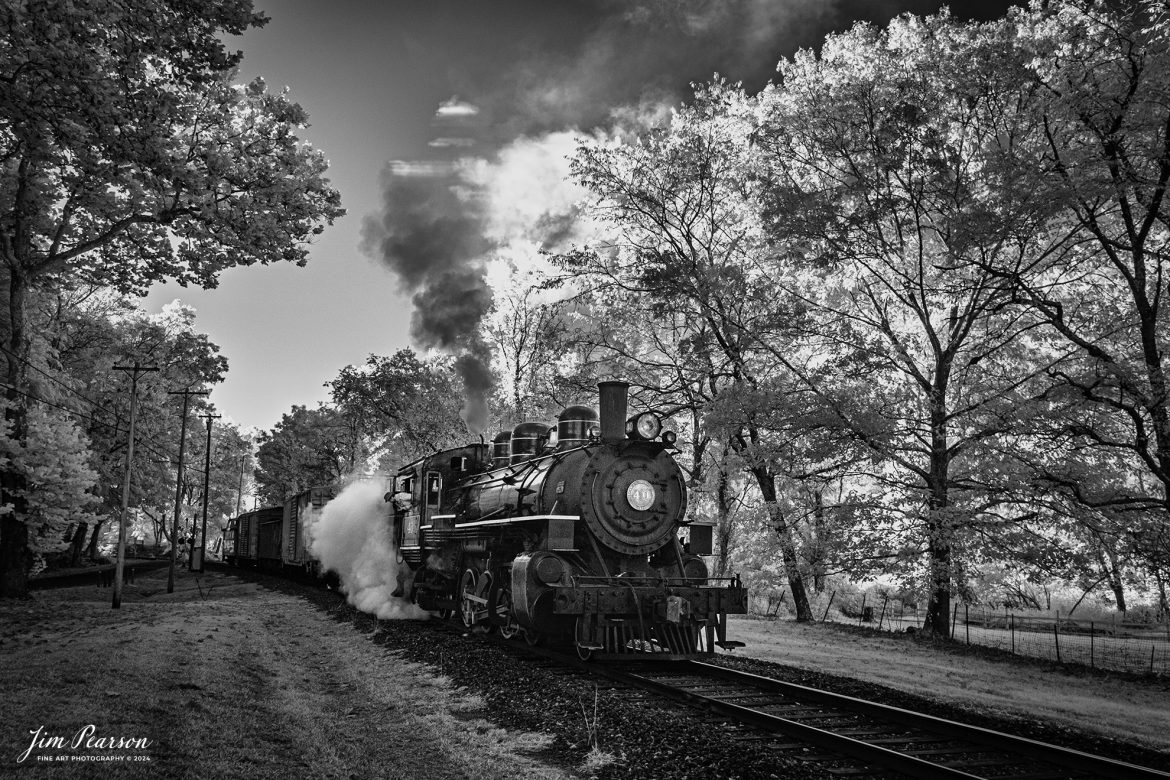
(240,490)
(134,370)
(206,485)
(179,482)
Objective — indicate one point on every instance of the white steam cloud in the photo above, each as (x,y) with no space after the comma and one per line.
(351,536)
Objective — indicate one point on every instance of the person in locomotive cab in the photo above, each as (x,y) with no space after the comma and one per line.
(402,501)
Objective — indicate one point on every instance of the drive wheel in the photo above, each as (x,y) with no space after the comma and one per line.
(501,611)
(483,593)
(467,595)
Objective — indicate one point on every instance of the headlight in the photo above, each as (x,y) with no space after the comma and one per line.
(644,426)
(670,437)
(594,432)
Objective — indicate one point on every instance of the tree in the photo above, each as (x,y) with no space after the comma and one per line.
(1097,80)
(129,157)
(893,170)
(524,329)
(88,332)
(402,407)
(681,201)
(54,462)
(307,448)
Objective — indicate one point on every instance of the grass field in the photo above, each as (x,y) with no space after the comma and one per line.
(224,678)
(1112,705)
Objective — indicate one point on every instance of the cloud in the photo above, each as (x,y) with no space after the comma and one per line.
(446,143)
(526,191)
(455,109)
(420,168)
(641,51)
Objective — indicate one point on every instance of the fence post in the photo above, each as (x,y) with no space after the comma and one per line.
(883,615)
(861,617)
(967,621)
(954,617)
(1152,646)
(831,597)
(1012,622)
(1092,643)
(1056,633)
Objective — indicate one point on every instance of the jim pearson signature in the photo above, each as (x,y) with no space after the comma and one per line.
(85,737)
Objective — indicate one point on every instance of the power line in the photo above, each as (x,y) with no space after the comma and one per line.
(117,430)
(54,379)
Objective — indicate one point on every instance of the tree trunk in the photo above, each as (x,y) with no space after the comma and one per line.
(940,527)
(767,483)
(723,523)
(1107,559)
(938,546)
(15,557)
(820,531)
(78,544)
(92,553)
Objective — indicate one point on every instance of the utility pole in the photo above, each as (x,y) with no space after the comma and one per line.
(206,485)
(179,482)
(240,490)
(134,370)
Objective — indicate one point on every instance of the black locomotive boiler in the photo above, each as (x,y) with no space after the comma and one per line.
(568,533)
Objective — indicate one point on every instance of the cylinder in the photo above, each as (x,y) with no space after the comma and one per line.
(614,404)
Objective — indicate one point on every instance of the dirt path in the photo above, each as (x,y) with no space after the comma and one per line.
(1114,706)
(228,679)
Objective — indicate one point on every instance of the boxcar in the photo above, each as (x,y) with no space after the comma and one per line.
(247,543)
(268,536)
(301,510)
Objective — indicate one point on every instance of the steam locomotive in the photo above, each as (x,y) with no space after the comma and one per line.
(566,533)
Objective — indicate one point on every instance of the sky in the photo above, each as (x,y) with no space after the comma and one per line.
(446,123)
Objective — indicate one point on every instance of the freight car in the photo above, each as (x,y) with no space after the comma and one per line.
(569,532)
(299,511)
(275,537)
(253,539)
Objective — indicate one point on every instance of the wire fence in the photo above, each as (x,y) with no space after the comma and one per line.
(1126,646)
(1135,646)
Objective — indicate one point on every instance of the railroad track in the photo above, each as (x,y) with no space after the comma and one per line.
(854,737)
(878,737)
(851,737)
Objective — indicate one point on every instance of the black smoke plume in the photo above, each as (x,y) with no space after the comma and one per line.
(430,234)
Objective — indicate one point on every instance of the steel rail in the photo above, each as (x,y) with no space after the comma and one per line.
(1061,756)
(873,755)
(1029,749)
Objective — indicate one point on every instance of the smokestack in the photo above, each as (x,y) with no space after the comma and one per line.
(614,406)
